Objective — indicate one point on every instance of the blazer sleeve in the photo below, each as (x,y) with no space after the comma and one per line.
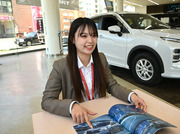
(114,88)
(50,100)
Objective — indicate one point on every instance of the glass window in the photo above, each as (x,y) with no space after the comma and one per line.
(165,20)
(65,13)
(65,20)
(175,19)
(109,21)
(1,9)
(143,21)
(4,3)
(5,6)
(4,9)
(9,3)
(66,26)
(70,14)
(97,22)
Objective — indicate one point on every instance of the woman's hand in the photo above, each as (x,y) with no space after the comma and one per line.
(139,103)
(80,114)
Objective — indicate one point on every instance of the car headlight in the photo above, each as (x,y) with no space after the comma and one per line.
(21,40)
(171,39)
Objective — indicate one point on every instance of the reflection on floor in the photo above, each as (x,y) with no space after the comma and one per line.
(22,80)
(22,49)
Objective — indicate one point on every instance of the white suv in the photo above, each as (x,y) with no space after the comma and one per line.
(141,43)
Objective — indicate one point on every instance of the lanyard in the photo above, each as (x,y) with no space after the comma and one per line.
(85,84)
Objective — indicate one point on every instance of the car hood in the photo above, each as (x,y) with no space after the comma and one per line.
(171,33)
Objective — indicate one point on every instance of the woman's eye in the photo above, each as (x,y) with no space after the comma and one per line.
(93,35)
(83,36)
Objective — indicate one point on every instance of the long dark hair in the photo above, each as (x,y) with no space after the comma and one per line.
(100,79)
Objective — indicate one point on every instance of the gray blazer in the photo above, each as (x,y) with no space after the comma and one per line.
(60,81)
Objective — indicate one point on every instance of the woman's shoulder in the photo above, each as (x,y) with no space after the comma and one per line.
(61,63)
(102,56)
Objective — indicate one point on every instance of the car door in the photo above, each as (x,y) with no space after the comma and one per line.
(112,45)
(35,39)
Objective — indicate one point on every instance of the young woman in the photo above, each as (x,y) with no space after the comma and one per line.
(82,75)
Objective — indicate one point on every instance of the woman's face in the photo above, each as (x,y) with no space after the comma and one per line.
(85,42)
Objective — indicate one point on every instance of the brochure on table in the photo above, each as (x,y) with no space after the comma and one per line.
(124,119)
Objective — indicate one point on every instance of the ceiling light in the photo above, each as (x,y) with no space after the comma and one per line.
(140,5)
(128,2)
(153,2)
(134,3)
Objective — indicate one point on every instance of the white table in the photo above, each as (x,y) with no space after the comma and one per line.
(47,123)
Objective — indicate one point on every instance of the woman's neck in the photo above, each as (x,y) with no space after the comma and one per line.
(84,59)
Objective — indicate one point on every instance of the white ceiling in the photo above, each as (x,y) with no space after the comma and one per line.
(148,3)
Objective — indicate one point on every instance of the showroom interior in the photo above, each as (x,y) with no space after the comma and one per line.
(25,68)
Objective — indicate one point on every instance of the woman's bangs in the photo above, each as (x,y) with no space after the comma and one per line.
(92,31)
(81,29)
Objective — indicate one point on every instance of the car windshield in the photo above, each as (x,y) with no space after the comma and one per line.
(143,21)
(31,34)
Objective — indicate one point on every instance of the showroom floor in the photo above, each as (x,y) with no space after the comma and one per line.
(22,80)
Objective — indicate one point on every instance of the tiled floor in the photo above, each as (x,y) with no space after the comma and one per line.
(22,81)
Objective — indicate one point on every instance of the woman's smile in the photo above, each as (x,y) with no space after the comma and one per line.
(89,47)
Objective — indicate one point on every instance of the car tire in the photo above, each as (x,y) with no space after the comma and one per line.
(28,43)
(145,69)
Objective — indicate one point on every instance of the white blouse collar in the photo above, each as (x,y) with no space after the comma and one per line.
(80,65)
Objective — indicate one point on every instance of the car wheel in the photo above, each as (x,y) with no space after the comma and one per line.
(28,43)
(145,69)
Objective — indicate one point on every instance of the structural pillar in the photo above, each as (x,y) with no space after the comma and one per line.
(51,20)
(119,5)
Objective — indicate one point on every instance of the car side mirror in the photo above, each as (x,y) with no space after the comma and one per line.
(115,30)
